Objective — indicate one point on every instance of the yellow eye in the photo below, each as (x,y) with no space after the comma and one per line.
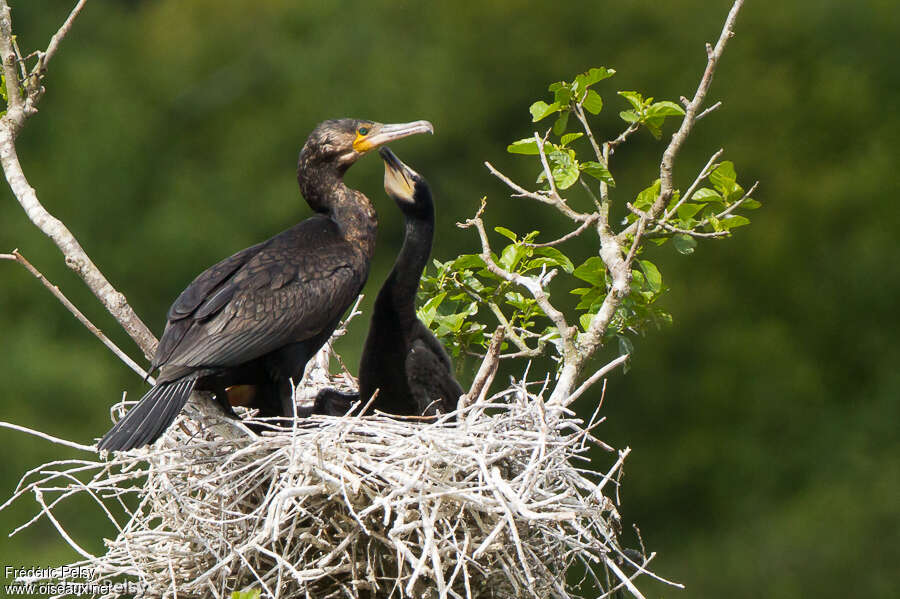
(363,130)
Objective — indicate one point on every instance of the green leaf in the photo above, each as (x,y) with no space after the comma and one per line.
(450,323)
(594,75)
(593,270)
(511,255)
(523,146)
(427,312)
(564,168)
(654,278)
(705,194)
(506,233)
(541,110)
(646,197)
(685,244)
(562,94)
(635,99)
(734,221)
(591,298)
(629,116)
(750,204)
(664,109)
(597,171)
(637,280)
(569,138)
(654,126)
(519,301)
(559,126)
(585,321)
(556,257)
(593,103)
(468,261)
(687,210)
(724,178)
(252,594)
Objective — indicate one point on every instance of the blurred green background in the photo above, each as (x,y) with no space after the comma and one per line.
(766,457)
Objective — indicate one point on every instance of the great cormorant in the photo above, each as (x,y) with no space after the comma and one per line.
(402,359)
(257,317)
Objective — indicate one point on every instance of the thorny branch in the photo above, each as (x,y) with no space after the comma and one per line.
(24,93)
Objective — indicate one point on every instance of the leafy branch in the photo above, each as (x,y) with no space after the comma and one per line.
(617,287)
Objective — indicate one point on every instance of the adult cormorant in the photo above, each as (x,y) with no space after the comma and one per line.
(402,359)
(257,317)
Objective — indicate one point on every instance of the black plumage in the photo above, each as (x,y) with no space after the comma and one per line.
(257,317)
(402,359)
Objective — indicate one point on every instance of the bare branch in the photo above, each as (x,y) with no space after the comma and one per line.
(579,113)
(63,31)
(622,137)
(14,112)
(485,375)
(668,162)
(602,372)
(715,106)
(632,251)
(46,437)
(17,257)
(737,204)
(707,169)
(525,353)
(10,125)
(620,272)
(670,228)
(554,194)
(522,192)
(75,256)
(591,220)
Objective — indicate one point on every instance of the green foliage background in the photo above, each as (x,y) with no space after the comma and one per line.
(764,423)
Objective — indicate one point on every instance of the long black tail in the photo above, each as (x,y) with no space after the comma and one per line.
(148,420)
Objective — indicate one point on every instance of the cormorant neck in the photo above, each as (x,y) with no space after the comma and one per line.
(320,182)
(323,188)
(403,281)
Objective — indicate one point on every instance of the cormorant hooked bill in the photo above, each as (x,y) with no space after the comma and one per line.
(402,359)
(257,317)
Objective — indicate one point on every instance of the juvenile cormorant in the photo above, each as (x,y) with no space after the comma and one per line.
(402,359)
(257,317)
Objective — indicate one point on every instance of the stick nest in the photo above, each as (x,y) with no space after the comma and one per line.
(490,503)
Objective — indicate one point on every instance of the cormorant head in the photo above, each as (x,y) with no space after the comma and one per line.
(342,141)
(404,185)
